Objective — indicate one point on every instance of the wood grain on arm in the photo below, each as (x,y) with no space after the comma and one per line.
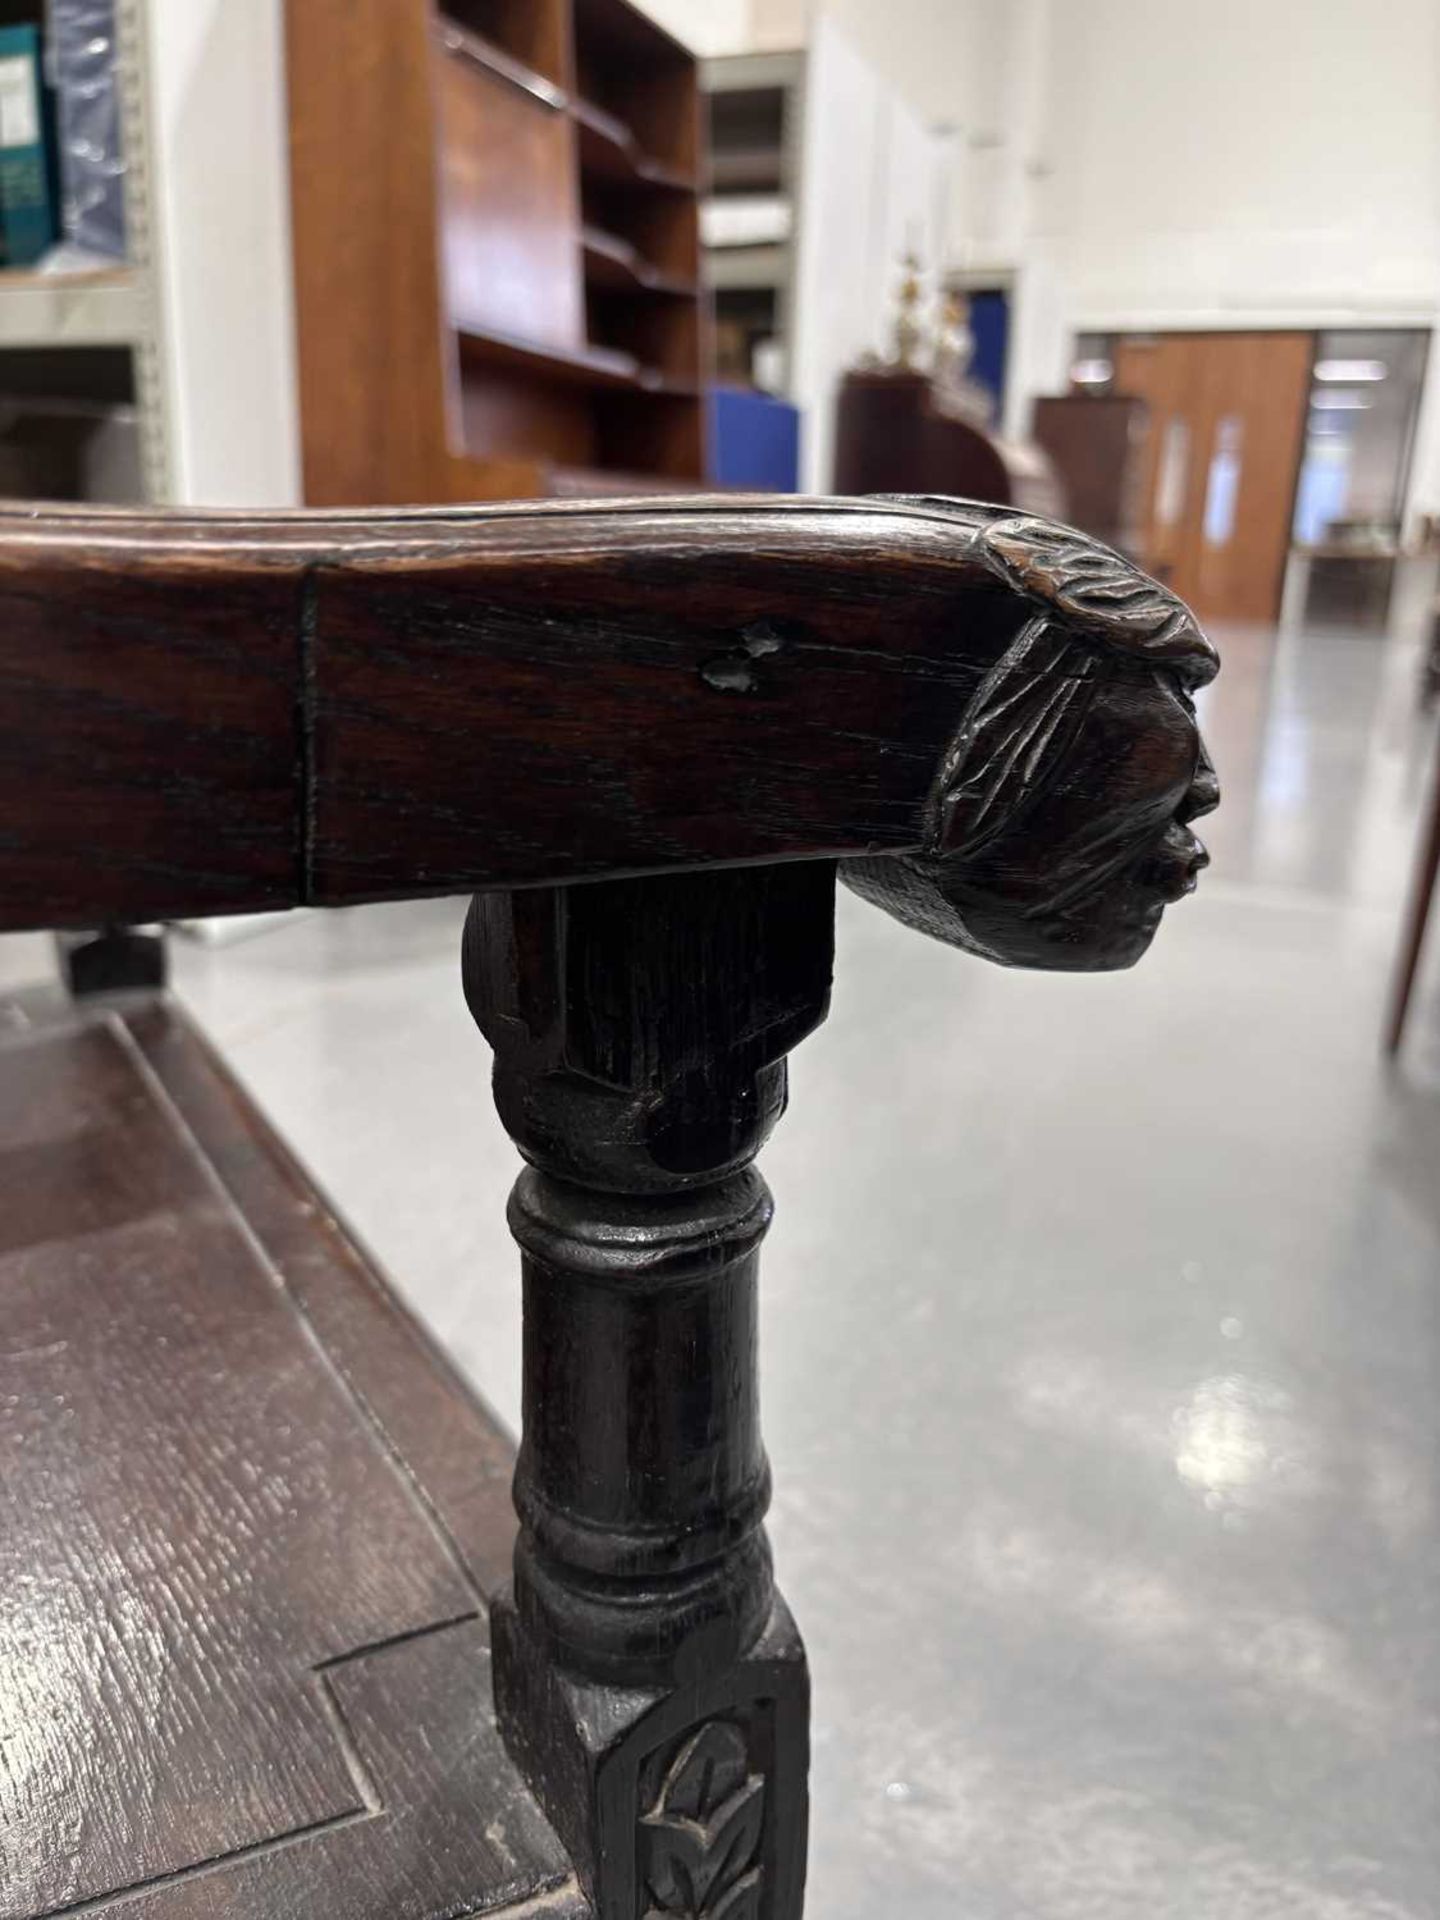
(208,714)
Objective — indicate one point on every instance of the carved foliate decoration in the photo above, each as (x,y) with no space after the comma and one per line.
(700,1842)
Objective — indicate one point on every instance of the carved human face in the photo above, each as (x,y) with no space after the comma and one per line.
(1057,827)
(1081,877)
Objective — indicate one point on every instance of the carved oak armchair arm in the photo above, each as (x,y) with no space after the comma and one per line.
(700,708)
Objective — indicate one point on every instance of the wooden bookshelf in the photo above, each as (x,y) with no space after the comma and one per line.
(496,249)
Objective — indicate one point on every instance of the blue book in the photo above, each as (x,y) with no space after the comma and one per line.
(754,440)
(27,194)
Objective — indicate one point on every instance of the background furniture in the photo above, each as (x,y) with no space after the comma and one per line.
(893,436)
(1349,583)
(755,113)
(198,331)
(1096,443)
(496,249)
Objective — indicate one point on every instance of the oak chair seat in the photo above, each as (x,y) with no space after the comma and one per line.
(272,1644)
(251,1522)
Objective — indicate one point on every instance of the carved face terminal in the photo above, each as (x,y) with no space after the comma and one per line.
(1080,877)
(1059,826)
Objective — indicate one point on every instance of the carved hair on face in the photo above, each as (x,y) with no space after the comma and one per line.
(1018,728)
(1098,620)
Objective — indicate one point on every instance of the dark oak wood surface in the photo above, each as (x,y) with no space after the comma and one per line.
(648,1676)
(148,733)
(248,1523)
(218,713)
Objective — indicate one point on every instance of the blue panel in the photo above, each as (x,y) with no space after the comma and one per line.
(754,440)
(990,324)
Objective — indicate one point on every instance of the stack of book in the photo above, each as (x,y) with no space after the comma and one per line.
(28,173)
(62,169)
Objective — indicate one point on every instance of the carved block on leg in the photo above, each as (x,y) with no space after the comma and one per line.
(675,1803)
(648,1679)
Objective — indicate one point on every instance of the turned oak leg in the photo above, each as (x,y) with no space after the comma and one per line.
(648,1678)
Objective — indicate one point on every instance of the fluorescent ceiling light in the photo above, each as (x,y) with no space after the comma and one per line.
(1340,403)
(1346,372)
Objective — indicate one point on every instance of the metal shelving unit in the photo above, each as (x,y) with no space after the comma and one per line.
(764,269)
(111,306)
(138,301)
(102,309)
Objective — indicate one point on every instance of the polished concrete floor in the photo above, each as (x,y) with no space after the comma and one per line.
(1102,1344)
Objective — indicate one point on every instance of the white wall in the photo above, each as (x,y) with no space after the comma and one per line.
(222,249)
(1212,163)
(873,177)
(929,52)
(907,42)
(705,26)
(779,25)
(1243,157)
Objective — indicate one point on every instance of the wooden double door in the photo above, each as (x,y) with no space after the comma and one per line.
(1222,454)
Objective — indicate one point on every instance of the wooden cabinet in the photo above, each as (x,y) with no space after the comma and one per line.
(496,249)
(508,205)
(897,432)
(1096,443)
